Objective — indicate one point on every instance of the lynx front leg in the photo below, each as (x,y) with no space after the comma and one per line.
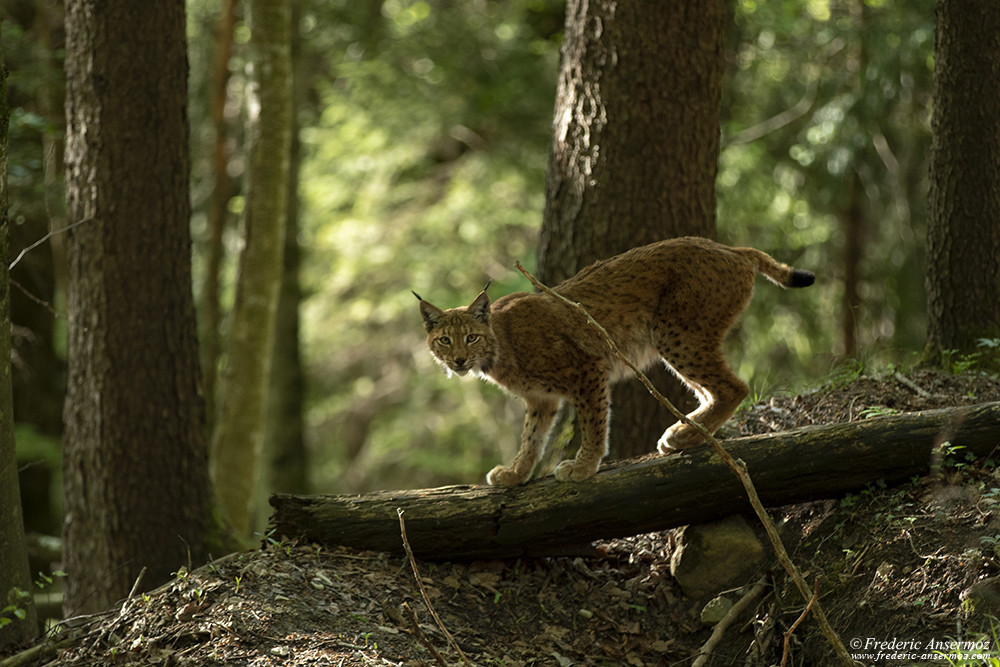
(538,418)
(593,407)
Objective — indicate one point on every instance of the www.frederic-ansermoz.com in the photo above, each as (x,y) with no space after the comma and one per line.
(872,650)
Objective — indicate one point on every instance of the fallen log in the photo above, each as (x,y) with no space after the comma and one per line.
(546,517)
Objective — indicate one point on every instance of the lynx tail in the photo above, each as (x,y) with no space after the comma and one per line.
(778,273)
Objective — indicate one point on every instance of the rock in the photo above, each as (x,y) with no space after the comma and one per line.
(711,557)
(716,610)
(982,598)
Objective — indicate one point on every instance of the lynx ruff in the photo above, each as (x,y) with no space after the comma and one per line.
(671,301)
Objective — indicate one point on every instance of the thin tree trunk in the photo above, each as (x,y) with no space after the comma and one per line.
(136,491)
(218,209)
(963,233)
(15,577)
(38,374)
(287,459)
(237,440)
(853,215)
(853,226)
(633,159)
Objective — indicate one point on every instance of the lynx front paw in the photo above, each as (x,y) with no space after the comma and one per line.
(571,471)
(504,476)
(678,437)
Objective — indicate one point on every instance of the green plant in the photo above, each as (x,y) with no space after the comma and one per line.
(987,356)
(877,411)
(990,350)
(978,650)
(952,457)
(17,609)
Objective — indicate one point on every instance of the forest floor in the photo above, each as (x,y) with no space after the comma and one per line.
(893,566)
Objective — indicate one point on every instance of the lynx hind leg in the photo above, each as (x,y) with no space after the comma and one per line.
(593,409)
(718,389)
(538,417)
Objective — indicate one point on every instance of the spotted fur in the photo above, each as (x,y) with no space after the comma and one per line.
(672,301)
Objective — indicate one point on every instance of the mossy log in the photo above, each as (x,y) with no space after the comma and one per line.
(547,517)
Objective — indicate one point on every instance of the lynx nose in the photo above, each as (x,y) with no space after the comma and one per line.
(460,362)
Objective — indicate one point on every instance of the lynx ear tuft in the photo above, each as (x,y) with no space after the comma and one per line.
(480,308)
(419,298)
(431,314)
(488,283)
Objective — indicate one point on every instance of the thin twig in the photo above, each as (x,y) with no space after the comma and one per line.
(40,301)
(423,593)
(421,637)
(131,593)
(45,238)
(791,630)
(737,466)
(720,628)
(920,391)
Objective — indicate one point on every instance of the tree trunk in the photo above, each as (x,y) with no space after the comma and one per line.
(136,490)
(286,461)
(547,517)
(853,224)
(239,429)
(38,371)
(963,233)
(633,158)
(15,577)
(210,335)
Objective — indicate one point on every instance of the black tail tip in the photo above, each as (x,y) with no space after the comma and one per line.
(801,278)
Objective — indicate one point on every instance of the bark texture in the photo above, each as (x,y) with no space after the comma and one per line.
(963,232)
(548,517)
(136,490)
(634,151)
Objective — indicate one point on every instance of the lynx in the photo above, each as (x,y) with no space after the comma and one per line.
(671,301)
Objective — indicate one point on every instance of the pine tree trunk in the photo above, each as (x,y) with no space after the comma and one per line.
(136,490)
(963,232)
(15,578)
(633,159)
(237,440)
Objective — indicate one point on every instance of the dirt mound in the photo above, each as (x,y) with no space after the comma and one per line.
(892,565)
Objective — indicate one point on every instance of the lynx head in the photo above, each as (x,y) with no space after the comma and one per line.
(461,339)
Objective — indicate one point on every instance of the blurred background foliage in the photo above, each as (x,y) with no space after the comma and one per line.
(425,128)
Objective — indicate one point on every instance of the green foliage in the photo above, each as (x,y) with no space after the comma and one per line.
(34,86)
(816,100)
(424,170)
(975,649)
(425,130)
(986,358)
(17,607)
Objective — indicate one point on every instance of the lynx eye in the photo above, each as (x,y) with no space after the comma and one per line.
(443,341)
(471,338)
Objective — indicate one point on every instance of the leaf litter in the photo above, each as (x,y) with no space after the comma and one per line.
(891,562)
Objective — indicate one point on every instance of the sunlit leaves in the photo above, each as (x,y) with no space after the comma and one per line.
(425,170)
(837,92)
